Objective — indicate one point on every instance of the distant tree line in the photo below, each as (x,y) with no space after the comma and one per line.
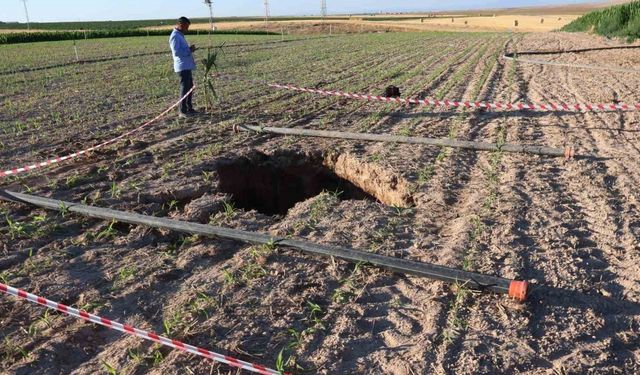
(47,36)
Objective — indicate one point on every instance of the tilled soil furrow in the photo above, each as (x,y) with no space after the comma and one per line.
(547,209)
(459,336)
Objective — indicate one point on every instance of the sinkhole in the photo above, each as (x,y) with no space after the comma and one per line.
(272,184)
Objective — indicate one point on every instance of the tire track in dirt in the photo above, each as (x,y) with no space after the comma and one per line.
(592,233)
(453,335)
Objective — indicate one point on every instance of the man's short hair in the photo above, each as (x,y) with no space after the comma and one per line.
(184,21)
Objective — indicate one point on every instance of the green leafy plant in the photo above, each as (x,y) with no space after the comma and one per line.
(114,190)
(64,209)
(229,209)
(16,229)
(111,370)
(210,63)
(280,363)
(109,232)
(10,351)
(124,274)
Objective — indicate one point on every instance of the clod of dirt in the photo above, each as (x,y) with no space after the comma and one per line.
(201,209)
(388,187)
(273,184)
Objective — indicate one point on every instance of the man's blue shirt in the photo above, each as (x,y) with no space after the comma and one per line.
(182,55)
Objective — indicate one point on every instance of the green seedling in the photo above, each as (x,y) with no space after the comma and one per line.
(296,338)
(109,369)
(207,176)
(229,209)
(64,209)
(124,275)
(109,233)
(11,352)
(135,355)
(16,229)
(280,363)
(114,190)
(72,181)
(341,296)
(229,277)
(158,357)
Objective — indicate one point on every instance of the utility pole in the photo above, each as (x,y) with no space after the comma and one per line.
(323,9)
(209,3)
(267,14)
(26,12)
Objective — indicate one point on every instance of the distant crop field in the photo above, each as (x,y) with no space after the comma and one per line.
(404,23)
(9,31)
(619,21)
(569,227)
(517,23)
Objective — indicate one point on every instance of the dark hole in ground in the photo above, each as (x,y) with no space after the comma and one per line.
(273,184)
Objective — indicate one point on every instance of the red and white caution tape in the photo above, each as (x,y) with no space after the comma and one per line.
(465,104)
(59,159)
(150,336)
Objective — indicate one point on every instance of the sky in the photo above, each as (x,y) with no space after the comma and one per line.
(83,10)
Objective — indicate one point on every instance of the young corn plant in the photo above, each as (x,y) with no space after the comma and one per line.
(210,64)
(16,229)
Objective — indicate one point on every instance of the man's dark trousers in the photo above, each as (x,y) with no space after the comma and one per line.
(186,83)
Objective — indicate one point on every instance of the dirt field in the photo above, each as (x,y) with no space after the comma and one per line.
(569,227)
(497,23)
(19,31)
(460,23)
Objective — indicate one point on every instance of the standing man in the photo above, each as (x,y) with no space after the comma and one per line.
(183,64)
